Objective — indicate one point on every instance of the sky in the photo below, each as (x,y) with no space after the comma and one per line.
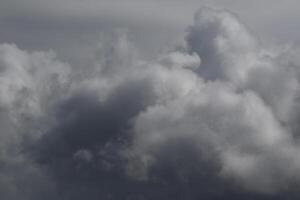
(62,24)
(149,99)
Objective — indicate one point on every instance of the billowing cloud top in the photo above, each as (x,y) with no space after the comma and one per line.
(215,119)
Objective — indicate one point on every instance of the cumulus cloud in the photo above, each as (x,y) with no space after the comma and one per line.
(26,88)
(216,118)
(236,106)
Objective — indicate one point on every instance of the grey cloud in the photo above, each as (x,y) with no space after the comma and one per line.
(224,44)
(216,119)
(25,87)
(239,112)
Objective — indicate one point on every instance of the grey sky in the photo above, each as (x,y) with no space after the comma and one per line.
(59,24)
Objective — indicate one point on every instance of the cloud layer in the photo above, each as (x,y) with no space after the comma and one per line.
(216,118)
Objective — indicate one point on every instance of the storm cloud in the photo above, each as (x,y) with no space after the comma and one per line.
(213,118)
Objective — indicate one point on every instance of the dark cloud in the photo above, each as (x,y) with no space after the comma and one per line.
(214,119)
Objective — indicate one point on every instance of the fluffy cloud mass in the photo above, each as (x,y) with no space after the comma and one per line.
(216,118)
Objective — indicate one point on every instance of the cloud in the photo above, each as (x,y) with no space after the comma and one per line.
(236,108)
(215,118)
(25,89)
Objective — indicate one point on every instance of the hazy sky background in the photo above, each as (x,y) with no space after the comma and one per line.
(63,24)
